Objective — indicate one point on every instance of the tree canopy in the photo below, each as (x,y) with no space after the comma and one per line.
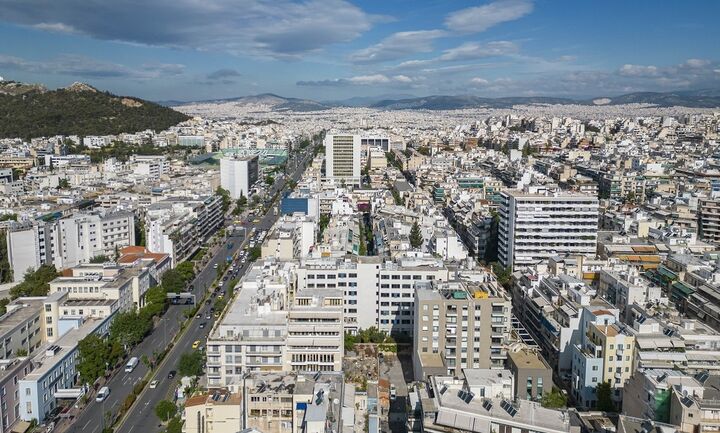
(71,112)
(35,282)
(416,237)
(191,364)
(603,391)
(165,410)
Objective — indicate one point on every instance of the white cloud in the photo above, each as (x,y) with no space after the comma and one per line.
(477,50)
(479,81)
(363,80)
(697,63)
(275,28)
(639,71)
(398,45)
(480,18)
(86,68)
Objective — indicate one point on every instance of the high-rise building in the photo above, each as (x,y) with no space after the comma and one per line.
(460,325)
(709,211)
(342,158)
(237,175)
(535,226)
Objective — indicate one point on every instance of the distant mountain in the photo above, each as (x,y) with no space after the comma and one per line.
(442,102)
(707,98)
(278,103)
(366,101)
(29,110)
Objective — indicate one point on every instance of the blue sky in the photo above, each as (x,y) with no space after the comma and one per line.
(334,49)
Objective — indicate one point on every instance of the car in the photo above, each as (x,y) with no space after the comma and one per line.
(212,309)
(221,295)
(202,325)
(198,315)
(208,316)
(172,374)
(154,384)
(196,344)
(393,392)
(102,394)
(215,266)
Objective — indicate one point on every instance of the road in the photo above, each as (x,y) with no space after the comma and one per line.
(142,417)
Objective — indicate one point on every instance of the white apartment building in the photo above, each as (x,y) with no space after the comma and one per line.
(69,241)
(238,174)
(342,158)
(375,293)
(151,166)
(266,328)
(535,226)
(178,226)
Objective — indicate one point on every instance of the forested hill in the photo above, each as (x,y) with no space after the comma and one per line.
(28,111)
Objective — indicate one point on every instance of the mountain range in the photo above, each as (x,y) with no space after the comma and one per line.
(706,98)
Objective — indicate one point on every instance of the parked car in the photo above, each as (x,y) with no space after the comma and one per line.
(172,374)
(154,384)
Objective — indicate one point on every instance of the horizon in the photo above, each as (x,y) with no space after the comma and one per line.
(186,51)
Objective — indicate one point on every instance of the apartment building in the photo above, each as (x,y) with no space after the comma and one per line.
(150,166)
(21,327)
(375,292)
(99,289)
(238,174)
(263,329)
(460,325)
(68,241)
(531,373)
(709,219)
(451,405)
(11,372)
(179,226)
(536,225)
(342,158)
(218,411)
(54,373)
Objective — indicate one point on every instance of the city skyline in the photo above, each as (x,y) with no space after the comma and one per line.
(333,49)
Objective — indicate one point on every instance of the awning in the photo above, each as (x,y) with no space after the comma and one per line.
(20,427)
(72,393)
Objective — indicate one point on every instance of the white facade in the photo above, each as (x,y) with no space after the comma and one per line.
(342,158)
(535,227)
(237,175)
(68,241)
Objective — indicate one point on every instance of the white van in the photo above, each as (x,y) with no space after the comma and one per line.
(132,363)
(102,394)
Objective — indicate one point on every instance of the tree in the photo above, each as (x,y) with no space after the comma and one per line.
(99,259)
(3,305)
(416,237)
(603,391)
(35,282)
(155,301)
(173,281)
(94,358)
(174,426)
(63,183)
(349,342)
(186,270)
(129,328)
(191,364)
(502,274)
(140,232)
(254,253)
(6,274)
(554,399)
(269,179)
(224,196)
(165,410)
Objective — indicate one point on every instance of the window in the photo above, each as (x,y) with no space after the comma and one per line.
(48,307)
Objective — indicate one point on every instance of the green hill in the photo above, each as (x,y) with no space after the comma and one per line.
(28,111)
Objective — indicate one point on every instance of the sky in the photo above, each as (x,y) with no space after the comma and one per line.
(335,49)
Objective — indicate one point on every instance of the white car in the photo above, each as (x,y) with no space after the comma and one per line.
(102,394)
(153,384)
